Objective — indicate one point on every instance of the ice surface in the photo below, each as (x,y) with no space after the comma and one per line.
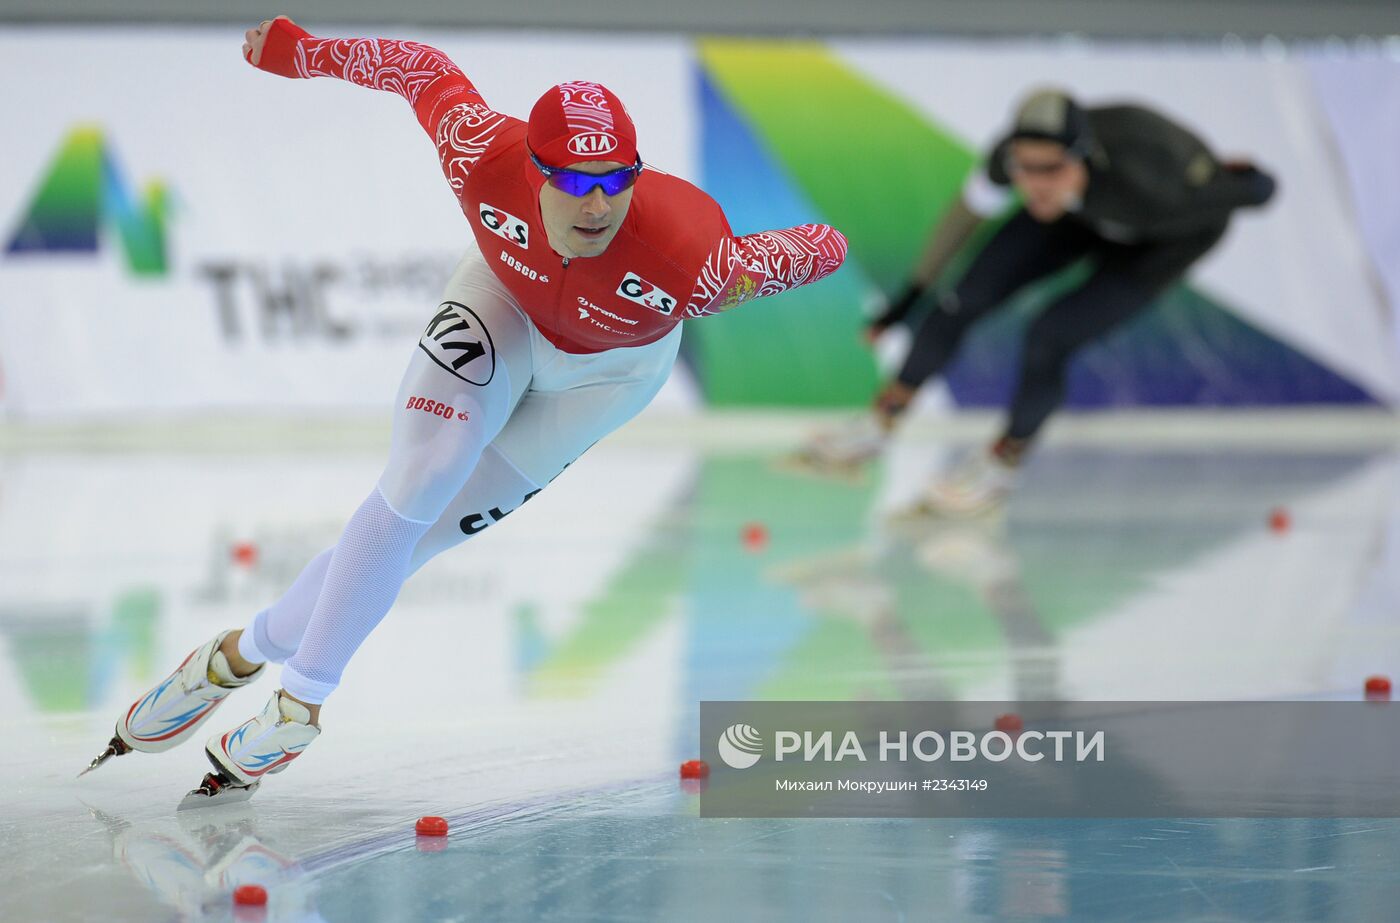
(538,686)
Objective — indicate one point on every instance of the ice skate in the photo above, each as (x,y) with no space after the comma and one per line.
(264,744)
(216,789)
(978,485)
(840,452)
(172,711)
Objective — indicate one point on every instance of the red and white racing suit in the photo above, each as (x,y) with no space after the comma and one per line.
(529,359)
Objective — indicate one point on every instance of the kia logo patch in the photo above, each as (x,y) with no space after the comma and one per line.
(592,142)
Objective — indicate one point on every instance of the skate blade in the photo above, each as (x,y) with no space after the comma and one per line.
(925,513)
(116,747)
(808,465)
(216,789)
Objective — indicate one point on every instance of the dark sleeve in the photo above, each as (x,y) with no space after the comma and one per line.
(1183,191)
(1185,176)
(1233,187)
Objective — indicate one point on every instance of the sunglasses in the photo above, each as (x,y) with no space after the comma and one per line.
(578,183)
(1014,166)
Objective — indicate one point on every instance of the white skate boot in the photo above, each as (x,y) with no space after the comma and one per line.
(262,745)
(172,711)
(843,450)
(976,485)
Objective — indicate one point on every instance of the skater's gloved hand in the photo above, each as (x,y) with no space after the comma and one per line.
(1261,186)
(895,312)
(273,39)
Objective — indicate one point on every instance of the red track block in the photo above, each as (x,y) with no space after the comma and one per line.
(1009,723)
(431,826)
(694,769)
(755,536)
(250,895)
(1279,520)
(1378,687)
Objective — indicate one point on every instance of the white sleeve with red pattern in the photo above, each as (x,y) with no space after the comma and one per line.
(448,107)
(740,269)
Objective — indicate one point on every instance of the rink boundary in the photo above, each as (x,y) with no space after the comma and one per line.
(1313,428)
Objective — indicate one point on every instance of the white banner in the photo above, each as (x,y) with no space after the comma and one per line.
(1361,99)
(307,230)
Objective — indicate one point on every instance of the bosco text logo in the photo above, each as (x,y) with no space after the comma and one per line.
(436,408)
(740,746)
(635,288)
(85,191)
(531,274)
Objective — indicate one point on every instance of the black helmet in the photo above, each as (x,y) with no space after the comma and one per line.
(1053,115)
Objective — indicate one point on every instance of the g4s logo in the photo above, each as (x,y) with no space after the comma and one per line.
(504,224)
(636,289)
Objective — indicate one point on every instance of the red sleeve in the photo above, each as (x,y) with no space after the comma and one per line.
(448,107)
(740,269)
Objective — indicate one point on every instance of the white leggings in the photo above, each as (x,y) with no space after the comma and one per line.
(488,413)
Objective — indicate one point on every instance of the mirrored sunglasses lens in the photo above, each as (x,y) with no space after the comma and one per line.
(581,184)
(575,184)
(614,183)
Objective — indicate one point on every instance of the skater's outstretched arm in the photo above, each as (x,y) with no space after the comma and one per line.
(740,269)
(948,237)
(1232,184)
(448,106)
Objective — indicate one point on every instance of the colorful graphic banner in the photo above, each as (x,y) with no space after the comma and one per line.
(879,136)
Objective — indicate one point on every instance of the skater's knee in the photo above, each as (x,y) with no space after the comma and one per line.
(426,468)
(421,494)
(496,488)
(1044,354)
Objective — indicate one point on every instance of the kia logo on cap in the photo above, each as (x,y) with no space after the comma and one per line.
(592,142)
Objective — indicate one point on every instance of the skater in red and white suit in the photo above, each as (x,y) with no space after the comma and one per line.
(558,326)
